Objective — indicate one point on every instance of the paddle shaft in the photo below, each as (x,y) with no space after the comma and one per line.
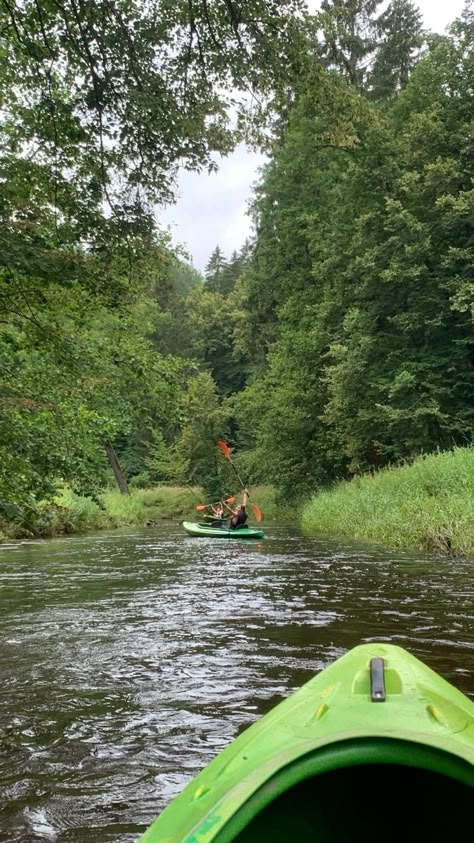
(238,476)
(225,450)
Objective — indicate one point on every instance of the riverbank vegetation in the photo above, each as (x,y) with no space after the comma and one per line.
(337,341)
(71,513)
(429,505)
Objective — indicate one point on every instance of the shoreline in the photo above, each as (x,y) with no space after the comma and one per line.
(427,505)
(72,514)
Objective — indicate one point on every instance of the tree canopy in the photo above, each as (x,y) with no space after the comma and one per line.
(337,340)
(358,288)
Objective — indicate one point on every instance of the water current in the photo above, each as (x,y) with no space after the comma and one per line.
(129,659)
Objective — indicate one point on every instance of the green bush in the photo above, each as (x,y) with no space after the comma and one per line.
(429,505)
(271,507)
(72,513)
(140,481)
(145,506)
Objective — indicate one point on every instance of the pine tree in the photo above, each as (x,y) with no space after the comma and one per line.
(401,33)
(214,271)
(246,252)
(349,29)
(360,294)
(231,273)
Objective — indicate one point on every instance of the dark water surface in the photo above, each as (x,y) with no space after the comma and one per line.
(128,659)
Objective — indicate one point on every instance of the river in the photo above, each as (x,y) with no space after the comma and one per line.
(129,658)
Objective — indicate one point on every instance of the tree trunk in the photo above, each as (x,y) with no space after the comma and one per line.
(118,473)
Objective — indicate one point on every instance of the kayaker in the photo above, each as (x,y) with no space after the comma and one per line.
(217,510)
(239,514)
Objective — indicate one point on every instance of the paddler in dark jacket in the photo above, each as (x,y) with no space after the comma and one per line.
(239,514)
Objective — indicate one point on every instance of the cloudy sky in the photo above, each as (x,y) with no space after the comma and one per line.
(212,209)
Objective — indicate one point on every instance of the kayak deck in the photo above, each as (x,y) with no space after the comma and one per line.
(352,756)
(196,529)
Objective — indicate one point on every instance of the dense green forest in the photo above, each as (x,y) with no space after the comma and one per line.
(337,341)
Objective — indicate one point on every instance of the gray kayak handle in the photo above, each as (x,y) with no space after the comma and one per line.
(377,683)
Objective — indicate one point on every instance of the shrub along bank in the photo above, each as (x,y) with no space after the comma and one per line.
(72,513)
(428,504)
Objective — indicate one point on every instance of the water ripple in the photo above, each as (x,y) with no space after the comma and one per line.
(130,659)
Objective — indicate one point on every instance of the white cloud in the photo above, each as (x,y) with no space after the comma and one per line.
(438,14)
(211,208)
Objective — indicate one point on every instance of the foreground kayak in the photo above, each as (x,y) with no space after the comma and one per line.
(222,532)
(375,747)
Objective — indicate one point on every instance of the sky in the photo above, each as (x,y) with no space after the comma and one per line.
(211,209)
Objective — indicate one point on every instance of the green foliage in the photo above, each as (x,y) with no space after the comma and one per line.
(75,373)
(150,506)
(214,272)
(111,95)
(401,38)
(78,513)
(193,456)
(375,53)
(182,279)
(428,505)
(222,275)
(232,272)
(170,291)
(100,103)
(71,513)
(349,32)
(339,341)
(208,322)
(206,422)
(166,462)
(359,297)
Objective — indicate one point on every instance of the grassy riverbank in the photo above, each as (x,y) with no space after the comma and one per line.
(429,505)
(71,513)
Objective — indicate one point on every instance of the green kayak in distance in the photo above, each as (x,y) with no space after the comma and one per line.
(376,747)
(222,532)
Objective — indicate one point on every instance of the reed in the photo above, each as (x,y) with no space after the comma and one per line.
(73,513)
(150,506)
(428,504)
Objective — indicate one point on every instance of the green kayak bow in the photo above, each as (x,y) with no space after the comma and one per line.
(222,532)
(376,747)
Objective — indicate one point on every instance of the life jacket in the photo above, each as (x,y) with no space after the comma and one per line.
(239,519)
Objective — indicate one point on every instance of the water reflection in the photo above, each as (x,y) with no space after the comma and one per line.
(129,659)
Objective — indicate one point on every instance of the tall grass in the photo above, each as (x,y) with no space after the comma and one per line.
(72,513)
(165,503)
(429,505)
(68,513)
(149,506)
(271,507)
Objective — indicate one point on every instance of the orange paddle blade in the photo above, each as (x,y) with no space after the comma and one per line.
(229,500)
(256,511)
(224,448)
(201,507)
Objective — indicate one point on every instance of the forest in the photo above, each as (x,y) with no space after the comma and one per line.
(338,340)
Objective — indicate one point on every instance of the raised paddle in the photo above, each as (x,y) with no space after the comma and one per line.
(209,505)
(225,450)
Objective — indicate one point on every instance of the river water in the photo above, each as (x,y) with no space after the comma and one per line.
(128,659)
